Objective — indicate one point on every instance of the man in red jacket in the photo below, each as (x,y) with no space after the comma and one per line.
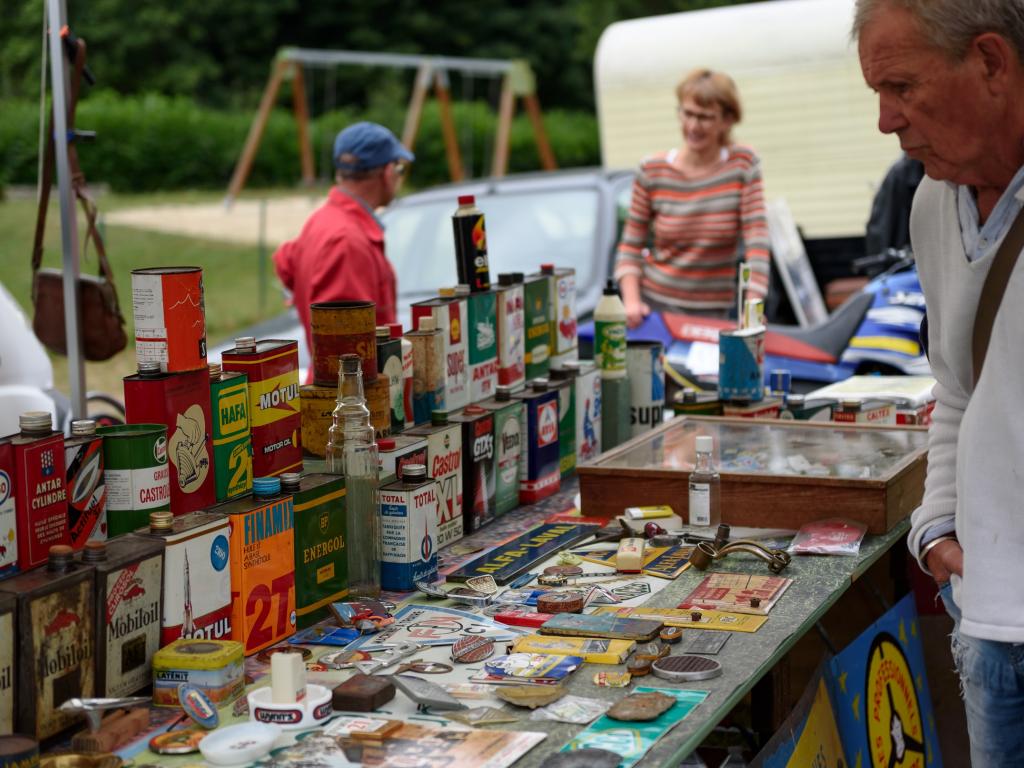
(339,255)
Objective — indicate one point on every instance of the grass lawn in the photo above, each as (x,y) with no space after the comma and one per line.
(230,273)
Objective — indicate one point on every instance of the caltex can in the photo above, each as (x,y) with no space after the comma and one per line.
(741,364)
(508,444)
(170,318)
(232,436)
(483,345)
(397,452)
(444,464)
(342,328)
(8,664)
(136,474)
(450,314)
(478,475)
(539,474)
(389,366)
(181,401)
(645,368)
(588,407)
(41,499)
(537,314)
(511,331)
(408,523)
(87,490)
(428,393)
(272,367)
(562,381)
(8,519)
(564,339)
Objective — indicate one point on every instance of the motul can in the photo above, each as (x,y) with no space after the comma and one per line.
(8,519)
(87,489)
(511,331)
(181,401)
(170,318)
(478,475)
(41,499)
(450,315)
(539,474)
(444,464)
(483,345)
(272,366)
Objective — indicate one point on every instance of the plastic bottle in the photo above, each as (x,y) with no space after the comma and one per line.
(610,334)
(705,486)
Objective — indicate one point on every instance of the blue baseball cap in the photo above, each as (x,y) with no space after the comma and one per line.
(363,146)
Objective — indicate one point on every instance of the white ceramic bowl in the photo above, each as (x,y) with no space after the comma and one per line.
(309,712)
(239,744)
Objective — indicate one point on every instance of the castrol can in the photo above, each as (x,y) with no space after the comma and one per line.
(483,345)
(397,452)
(511,331)
(428,393)
(450,314)
(136,474)
(444,464)
(564,338)
(170,318)
(408,525)
(41,501)
(87,490)
(342,328)
(539,473)
(478,474)
(537,314)
(645,369)
(508,446)
(232,436)
(8,518)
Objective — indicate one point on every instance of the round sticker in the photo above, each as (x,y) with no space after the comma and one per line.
(219,553)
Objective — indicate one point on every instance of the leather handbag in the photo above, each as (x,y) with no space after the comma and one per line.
(100,318)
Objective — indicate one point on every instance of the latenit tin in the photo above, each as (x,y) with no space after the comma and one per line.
(478,476)
(444,464)
(170,318)
(508,445)
(8,519)
(537,315)
(214,666)
(40,493)
(645,368)
(8,662)
(87,490)
(511,331)
(539,474)
(395,453)
(136,474)
(483,345)
(408,523)
(450,314)
(232,435)
(342,328)
(564,340)
(428,389)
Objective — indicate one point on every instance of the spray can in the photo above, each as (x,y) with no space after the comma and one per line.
(41,500)
(508,440)
(537,313)
(610,334)
(136,474)
(407,374)
(646,372)
(87,490)
(389,366)
(408,523)
(428,392)
(511,331)
(444,464)
(471,245)
(587,405)
(478,474)
(561,380)
(8,518)
(564,339)
(539,475)
(450,313)
(232,437)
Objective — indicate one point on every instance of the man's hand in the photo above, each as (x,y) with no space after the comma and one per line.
(636,312)
(945,559)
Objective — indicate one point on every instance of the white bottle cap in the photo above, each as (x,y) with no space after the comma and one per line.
(705,444)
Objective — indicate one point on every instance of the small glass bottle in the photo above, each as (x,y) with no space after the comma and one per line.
(350,407)
(705,486)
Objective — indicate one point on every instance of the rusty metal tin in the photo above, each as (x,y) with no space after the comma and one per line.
(378,400)
(450,315)
(560,602)
(342,328)
(17,751)
(317,407)
(470,650)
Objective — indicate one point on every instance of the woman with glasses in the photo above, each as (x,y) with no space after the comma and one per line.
(697,211)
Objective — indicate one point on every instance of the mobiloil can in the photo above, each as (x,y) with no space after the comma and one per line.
(428,393)
(272,367)
(87,489)
(588,407)
(197,580)
(263,565)
(511,331)
(478,475)
(41,500)
(232,437)
(128,574)
(539,474)
(389,366)
(508,444)
(396,453)
(564,339)
(450,313)
(321,561)
(136,474)
(8,661)
(408,522)
(8,519)
(645,370)
(482,339)
(537,316)
(562,381)
(444,464)
(181,402)
(56,651)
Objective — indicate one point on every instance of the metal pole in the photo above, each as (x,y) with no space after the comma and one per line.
(262,255)
(57,14)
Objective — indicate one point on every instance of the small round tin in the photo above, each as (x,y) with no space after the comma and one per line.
(181,742)
(198,706)
(686,668)
(264,656)
(560,602)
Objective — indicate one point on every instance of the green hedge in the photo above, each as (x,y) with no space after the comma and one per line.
(156,142)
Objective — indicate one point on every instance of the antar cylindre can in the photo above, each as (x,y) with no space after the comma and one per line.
(450,314)
(408,523)
(232,436)
(645,370)
(539,474)
(478,473)
(136,474)
(170,318)
(471,245)
(39,488)
(342,328)
(508,443)
(444,464)
(87,489)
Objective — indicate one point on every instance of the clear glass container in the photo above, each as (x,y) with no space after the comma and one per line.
(705,502)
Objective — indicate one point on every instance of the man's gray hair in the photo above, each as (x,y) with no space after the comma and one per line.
(950,25)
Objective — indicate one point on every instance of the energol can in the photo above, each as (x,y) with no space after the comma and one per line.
(428,394)
(741,364)
(342,328)
(539,474)
(508,444)
(272,367)
(396,453)
(170,318)
(483,345)
(511,331)
(8,662)
(645,369)
(478,473)
(408,523)
(87,490)
(8,519)
(561,380)
(181,401)
(389,366)
(136,474)
(450,314)
(537,314)
(588,407)
(564,339)
(444,464)
(41,500)
(232,438)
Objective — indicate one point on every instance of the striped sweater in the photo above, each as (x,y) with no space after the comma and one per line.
(702,226)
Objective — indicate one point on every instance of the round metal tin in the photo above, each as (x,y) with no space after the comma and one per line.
(563,570)
(264,656)
(686,668)
(198,706)
(469,650)
(560,602)
(180,742)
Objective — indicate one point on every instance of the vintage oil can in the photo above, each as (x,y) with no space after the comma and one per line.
(564,339)
(232,435)
(8,661)
(587,405)
(563,381)
(8,519)
(396,452)
(444,464)
(537,316)
(389,366)
(408,522)
(508,446)
(428,383)
(170,317)
(87,489)
(478,474)
(511,331)
(450,315)
(482,340)
(41,501)
(136,474)
(539,474)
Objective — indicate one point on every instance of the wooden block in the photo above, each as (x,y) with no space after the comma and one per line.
(363,693)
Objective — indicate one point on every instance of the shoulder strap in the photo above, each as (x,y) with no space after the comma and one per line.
(992,291)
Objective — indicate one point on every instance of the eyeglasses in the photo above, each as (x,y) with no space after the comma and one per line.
(703,118)
(401,168)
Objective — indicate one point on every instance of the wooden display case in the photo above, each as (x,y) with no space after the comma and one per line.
(775,473)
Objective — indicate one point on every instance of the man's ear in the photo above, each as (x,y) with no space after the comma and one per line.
(996,60)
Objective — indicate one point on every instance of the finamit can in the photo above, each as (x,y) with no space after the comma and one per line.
(272,367)
(389,366)
(741,364)
(321,560)
(444,464)
(478,475)
(128,575)
(170,318)
(539,474)
(136,474)
(561,380)
(342,328)
(645,369)
(587,404)
(483,345)
(87,489)
(564,338)
(8,661)
(232,436)
(428,393)
(470,233)
(408,525)
(41,501)
(197,580)
(397,452)
(8,518)
(537,315)
(508,444)
(511,331)
(450,314)
(181,401)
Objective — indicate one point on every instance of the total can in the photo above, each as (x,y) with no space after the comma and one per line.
(342,328)
(508,443)
(170,318)
(181,401)
(537,315)
(263,568)
(645,369)
(87,489)
(128,586)
(561,380)
(197,580)
(136,474)
(272,367)
(232,436)
(41,500)
(588,407)
(444,464)
(389,366)
(741,364)
(564,338)
(8,518)
(396,453)
(450,314)
(8,661)
(408,524)
(539,474)
(56,636)
(511,331)
(428,394)
(478,476)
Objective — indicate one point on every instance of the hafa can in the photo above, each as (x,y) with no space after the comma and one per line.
(444,464)
(136,474)
(408,526)
(511,331)
(587,404)
(561,380)
(478,473)
(539,474)
(342,328)
(397,452)
(87,489)
(180,401)
(8,518)
(8,664)
(170,318)
(272,367)
(537,314)
(232,436)
(645,369)
(508,443)
(41,502)
(428,393)
(564,338)
(741,364)
(450,314)
(389,366)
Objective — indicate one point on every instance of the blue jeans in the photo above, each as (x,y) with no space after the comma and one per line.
(992,685)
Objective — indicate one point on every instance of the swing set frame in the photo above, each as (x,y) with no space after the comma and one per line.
(517,78)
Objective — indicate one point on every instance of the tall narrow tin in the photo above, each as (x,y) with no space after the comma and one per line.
(136,474)
(444,464)
(509,445)
(87,489)
(450,314)
(389,366)
(428,393)
(588,406)
(563,380)
(8,518)
(232,435)
(483,345)
(478,474)
(539,474)
(537,314)
(564,340)
(511,331)
(39,488)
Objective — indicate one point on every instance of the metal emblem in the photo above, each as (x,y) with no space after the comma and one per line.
(531,696)
(470,649)
(426,694)
(641,706)
(686,668)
